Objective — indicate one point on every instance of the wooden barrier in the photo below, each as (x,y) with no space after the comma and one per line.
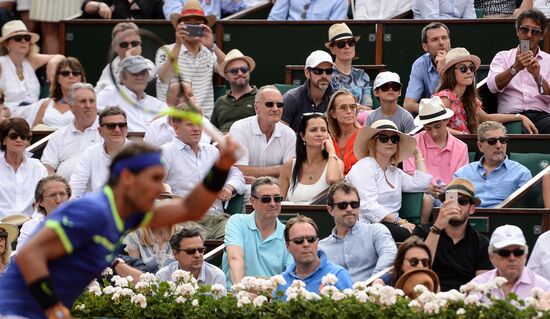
(294,74)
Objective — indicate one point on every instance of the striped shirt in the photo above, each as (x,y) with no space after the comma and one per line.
(496,6)
(198,69)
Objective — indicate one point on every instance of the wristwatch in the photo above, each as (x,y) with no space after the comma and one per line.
(513,71)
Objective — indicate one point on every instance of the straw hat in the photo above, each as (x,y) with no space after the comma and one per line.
(17,27)
(192,8)
(457,55)
(339,31)
(432,110)
(464,187)
(417,276)
(407,143)
(12,231)
(15,219)
(232,56)
(167,192)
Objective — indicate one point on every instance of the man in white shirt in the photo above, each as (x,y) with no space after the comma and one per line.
(65,146)
(92,171)
(188,250)
(268,142)
(187,162)
(135,72)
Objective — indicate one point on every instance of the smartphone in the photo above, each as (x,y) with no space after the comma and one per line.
(524,46)
(452,196)
(195,30)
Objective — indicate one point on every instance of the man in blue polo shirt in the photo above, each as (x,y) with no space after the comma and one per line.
(254,243)
(82,237)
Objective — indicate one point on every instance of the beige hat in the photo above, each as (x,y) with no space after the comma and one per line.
(417,276)
(167,192)
(457,55)
(464,187)
(232,56)
(432,110)
(17,27)
(192,8)
(407,143)
(11,230)
(15,219)
(339,31)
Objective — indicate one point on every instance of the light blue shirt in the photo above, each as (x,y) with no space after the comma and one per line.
(309,10)
(215,7)
(265,258)
(365,250)
(497,185)
(313,282)
(357,83)
(444,9)
(424,78)
(208,276)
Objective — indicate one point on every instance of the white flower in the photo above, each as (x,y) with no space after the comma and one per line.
(337,296)
(460,311)
(278,280)
(259,301)
(531,301)
(238,287)
(172,285)
(195,303)
(139,299)
(348,292)
(472,299)
(142,285)
(467,288)
(362,296)
(308,295)
(291,296)
(298,284)
(243,299)
(329,279)
(537,292)
(218,290)
(181,276)
(185,289)
(148,277)
(249,282)
(499,281)
(180,299)
(360,285)
(419,289)
(95,288)
(109,290)
(120,282)
(81,307)
(129,278)
(328,290)
(414,304)
(107,272)
(431,307)
(127,292)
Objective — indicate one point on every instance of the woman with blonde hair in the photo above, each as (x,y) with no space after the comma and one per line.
(8,233)
(152,246)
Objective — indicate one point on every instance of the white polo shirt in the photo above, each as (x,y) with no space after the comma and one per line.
(159,132)
(66,145)
(259,151)
(17,187)
(137,118)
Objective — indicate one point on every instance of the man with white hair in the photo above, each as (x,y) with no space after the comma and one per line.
(508,253)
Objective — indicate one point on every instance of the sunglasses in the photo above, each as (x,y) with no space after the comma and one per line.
(342,44)
(319,71)
(343,205)
(112,126)
(525,30)
(463,201)
(506,253)
(192,251)
(300,240)
(19,38)
(125,44)
(235,71)
(464,69)
(13,136)
(3,234)
(271,104)
(266,199)
(393,86)
(67,73)
(414,261)
(493,140)
(308,114)
(56,195)
(385,138)
(347,107)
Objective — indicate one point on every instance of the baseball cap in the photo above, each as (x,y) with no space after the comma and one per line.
(507,235)
(317,57)
(135,64)
(386,77)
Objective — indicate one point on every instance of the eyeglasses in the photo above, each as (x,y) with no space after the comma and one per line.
(192,251)
(343,205)
(414,261)
(66,73)
(342,44)
(525,30)
(464,69)
(393,86)
(347,107)
(300,240)
(385,138)
(13,136)
(266,199)
(270,104)
(506,253)
(125,44)
(493,140)
(112,126)
(21,37)
(463,201)
(319,71)
(57,195)
(235,71)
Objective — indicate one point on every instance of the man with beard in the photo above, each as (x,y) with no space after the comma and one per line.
(494,175)
(460,252)
(314,94)
(238,103)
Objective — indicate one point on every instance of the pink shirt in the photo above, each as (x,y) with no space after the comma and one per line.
(527,281)
(522,93)
(440,163)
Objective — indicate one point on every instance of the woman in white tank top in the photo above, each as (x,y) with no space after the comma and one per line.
(316,166)
(55,111)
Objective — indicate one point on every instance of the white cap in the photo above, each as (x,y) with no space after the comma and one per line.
(507,235)
(317,57)
(386,77)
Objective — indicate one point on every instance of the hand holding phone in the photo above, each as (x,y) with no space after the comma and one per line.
(452,196)
(195,30)
(524,46)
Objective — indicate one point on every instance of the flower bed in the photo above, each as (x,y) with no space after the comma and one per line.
(255,298)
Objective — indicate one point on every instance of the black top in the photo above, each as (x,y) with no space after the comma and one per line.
(143,9)
(456,264)
(297,102)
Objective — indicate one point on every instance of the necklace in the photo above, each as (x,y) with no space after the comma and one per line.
(19,71)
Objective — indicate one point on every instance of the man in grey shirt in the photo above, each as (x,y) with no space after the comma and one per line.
(362,249)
